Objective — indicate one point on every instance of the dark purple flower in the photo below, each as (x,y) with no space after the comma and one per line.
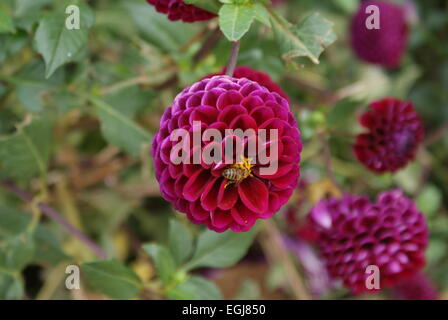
(178,10)
(419,287)
(395,132)
(203,192)
(356,233)
(386,45)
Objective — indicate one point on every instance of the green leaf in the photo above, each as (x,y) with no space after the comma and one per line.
(342,113)
(112,278)
(163,261)
(429,200)
(157,29)
(47,248)
(261,13)
(180,242)
(308,39)
(235,20)
(195,288)
(31,85)
(249,290)
(133,98)
(220,250)
(59,45)
(208,5)
(118,129)
(26,153)
(6,23)
(16,241)
(10,287)
(16,250)
(24,7)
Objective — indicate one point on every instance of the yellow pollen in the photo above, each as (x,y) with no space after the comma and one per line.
(245,164)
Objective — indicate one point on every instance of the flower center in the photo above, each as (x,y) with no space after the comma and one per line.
(238,171)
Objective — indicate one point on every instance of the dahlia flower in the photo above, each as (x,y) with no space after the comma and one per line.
(178,10)
(355,233)
(208,193)
(384,46)
(395,132)
(418,287)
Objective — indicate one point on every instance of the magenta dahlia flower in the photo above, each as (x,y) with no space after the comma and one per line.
(179,10)
(395,132)
(384,46)
(259,77)
(355,233)
(418,287)
(228,195)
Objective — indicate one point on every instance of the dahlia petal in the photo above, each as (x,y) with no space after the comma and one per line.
(204,114)
(221,219)
(243,122)
(231,97)
(209,200)
(242,215)
(254,194)
(227,197)
(195,185)
(229,113)
(287,180)
(198,212)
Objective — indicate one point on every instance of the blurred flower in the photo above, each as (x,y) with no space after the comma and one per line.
(200,190)
(419,287)
(178,10)
(260,77)
(318,280)
(395,132)
(307,193)
(386,45)
(390,233)
(321,189)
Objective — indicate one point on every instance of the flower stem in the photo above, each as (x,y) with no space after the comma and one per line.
(233,58)
(274,247)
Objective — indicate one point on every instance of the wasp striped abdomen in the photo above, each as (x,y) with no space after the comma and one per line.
(238,172)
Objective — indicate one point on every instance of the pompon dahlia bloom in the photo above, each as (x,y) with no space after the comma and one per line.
(259,77)
(206,193)
(395,132)
(386,45)
(355,233)
(179,10)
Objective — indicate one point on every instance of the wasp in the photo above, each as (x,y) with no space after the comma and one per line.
(238,172)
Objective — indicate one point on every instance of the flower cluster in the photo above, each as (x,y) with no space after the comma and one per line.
(355,233)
